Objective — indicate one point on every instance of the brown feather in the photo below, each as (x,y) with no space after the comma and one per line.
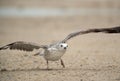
(104,30)
(21,45)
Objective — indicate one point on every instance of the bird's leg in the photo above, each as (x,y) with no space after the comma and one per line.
(62,63)
(47,64)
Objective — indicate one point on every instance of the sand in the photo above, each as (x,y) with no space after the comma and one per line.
(92,57)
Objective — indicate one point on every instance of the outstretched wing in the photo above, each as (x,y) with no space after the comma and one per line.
(25,46)
(104,30)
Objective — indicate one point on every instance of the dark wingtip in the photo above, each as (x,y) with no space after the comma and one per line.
(3,48)
(107,30)
(115,30)
(0,48)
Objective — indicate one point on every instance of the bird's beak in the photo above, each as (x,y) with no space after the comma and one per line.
(65,47)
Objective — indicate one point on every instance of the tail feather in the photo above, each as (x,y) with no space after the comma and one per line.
(36,54)
(39,53)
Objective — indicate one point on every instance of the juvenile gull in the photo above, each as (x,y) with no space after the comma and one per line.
(55,51)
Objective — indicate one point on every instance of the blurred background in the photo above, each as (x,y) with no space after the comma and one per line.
(32,18)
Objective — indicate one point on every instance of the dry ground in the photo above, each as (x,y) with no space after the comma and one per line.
(92,57)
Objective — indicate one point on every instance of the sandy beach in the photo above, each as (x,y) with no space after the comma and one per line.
(90,57)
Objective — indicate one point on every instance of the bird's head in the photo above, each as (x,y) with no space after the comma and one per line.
(63,46)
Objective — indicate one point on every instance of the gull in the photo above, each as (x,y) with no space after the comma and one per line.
(55,51)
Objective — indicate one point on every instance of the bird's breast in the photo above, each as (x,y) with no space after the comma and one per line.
(53,54)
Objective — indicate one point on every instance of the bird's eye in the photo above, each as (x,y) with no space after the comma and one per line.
(61,45)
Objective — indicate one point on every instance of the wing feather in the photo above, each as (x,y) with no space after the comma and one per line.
(25,46)
(104,30)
